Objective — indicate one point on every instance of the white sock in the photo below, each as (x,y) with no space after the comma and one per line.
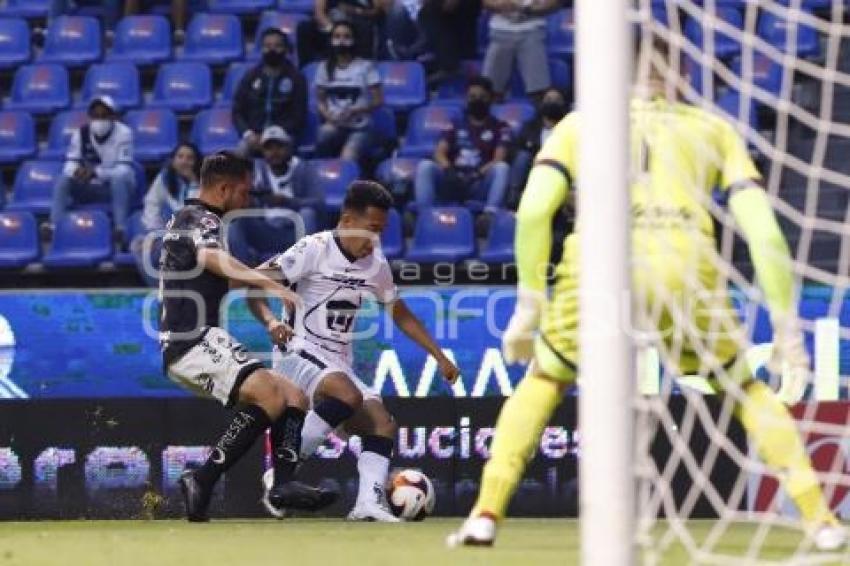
(373,470)
(313,434)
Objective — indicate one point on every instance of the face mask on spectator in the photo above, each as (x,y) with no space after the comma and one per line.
(274,57)
(100,127)
(342,46)
(553,109)
(478,108)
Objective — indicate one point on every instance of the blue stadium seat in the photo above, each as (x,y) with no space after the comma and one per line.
(33,188)
(392,238)
(404,84)
(213,130)
(561,33)
(118,80)
(514,113)
(81,239)
(559,72)
(15,44)
(775,31)
(442,234)
(26,8)
(231,82)
(286,22)
(239,6)
(334,176)
(767,74)
(301,6)
(154,133)
(455,87)
(62,127)
(499,246)
(384,124)
(398,175)
(18,239)
(182,87)
(424,128)
(133,228)
(308,136)
(17,136)
(309,71)
(74,41)
(730,103)
(40,89)
(143,40)
(725,46)
(214,38)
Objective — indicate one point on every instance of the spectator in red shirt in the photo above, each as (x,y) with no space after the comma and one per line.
(470,161)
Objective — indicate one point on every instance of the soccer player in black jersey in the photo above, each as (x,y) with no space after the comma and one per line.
(195,274)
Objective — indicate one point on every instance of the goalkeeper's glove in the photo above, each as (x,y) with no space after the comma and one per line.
(789,359)
(518,339)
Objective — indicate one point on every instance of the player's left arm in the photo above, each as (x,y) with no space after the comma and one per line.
(416,331)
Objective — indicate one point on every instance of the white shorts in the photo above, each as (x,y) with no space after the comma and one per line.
(214,367)
(307,370)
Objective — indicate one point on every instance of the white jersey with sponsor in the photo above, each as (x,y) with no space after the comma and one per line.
(333,286)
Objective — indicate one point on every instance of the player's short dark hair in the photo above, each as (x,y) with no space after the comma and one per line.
(224,166)
(482,82)
(278,32)
(363,194)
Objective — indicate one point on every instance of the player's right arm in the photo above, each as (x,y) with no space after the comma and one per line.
(546,191)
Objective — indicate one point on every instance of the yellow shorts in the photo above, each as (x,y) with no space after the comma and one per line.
(691,322)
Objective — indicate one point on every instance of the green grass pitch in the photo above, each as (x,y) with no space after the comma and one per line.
(324,542)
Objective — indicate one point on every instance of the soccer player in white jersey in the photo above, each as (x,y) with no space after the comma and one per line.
(334,273)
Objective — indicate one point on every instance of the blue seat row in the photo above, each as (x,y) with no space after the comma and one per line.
(38,8)
(83,239)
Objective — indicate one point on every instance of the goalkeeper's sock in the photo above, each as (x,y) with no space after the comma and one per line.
(772,428)
(517,435)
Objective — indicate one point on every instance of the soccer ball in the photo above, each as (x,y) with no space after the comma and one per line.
(411,495)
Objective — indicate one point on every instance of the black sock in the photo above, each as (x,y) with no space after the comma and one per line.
(380,445)
(248,423)
(333,411)
(286,443)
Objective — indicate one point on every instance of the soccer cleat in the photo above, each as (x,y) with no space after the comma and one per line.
(372,512)
(195,497)
(475,531)
(829,537)
(297,495)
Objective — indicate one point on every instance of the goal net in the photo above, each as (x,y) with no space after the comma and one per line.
(779,70)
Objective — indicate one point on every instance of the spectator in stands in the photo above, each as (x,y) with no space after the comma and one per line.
(179,13)
(282,182)
(518,32)
(274,93)
(348,90)
(470,160)
(407,37)
(366,17)
(98,166)
(176,182)
(552,108)
(452,29)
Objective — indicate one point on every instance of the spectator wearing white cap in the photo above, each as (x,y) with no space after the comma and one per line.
(283,189)
(98,166)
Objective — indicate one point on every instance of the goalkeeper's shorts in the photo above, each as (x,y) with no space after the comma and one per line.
(691,322)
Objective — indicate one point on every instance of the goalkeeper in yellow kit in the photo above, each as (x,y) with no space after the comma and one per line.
(681,153)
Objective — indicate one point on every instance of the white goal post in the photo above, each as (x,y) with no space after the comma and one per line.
(607,494)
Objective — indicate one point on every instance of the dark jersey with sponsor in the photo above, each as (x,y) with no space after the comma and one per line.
(471,146)
(190,297)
